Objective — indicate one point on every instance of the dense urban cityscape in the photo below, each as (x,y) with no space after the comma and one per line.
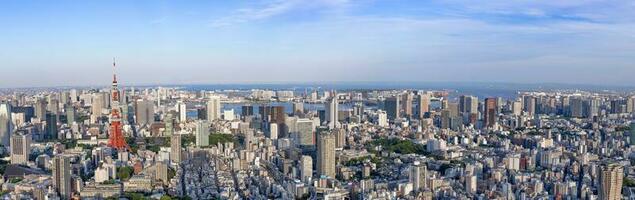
(317,100)
(314,143)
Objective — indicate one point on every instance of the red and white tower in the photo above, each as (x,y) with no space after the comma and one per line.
(116,139)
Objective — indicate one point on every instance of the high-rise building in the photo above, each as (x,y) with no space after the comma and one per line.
(62,176)
(144,112)
(6,125)
(161,173)
(468,104)
(51,126)
(213,108)
(175,148)
(417,176)
(326,154)
(407,104)
(202,133)
(20,147)
(490,112)
(332,111)
(529,105)
(305,130)
(168,120)
(70,113)
(391,105)
(611,177)
(182,109)
(247,110)
(306,168)
(424,105)
(382,118)
(116,138)
(470,184)
(40,109)
(298,107)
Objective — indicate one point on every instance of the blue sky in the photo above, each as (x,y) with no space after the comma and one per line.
(54,43)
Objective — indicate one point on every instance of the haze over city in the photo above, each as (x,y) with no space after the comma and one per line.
(50,43)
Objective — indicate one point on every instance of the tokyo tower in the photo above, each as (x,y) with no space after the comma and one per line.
(116,139)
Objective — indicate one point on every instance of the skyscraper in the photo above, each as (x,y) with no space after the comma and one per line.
(468,104)
(144,112)
(332,111)
(306,168)
(391,105)
(70,113)
(424,105)
(62,176)
(20,147)
(407,104)
(305,129)
(116,138)
(382,118)
(213,108)
(417,176)
(6,125)
(182,109)
(51,126)
(490,112)
(202,133)
(175,148)
(611,176)
(326,154)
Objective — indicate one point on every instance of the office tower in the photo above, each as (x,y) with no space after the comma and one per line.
(116,138)
(182,109)
(407,104)
(168,120)
(490,112)
(51,126)
(417,176)
(306,168)
(247,110)
(175,148)
(97,104)
(62,176)
(517,108)
(382,118)
(340,138)
(611,176)
(326,154)
(144,112)
(424,105)
(162,172)
(529,105)
(331,108)
(20,147)
(298,107)
(576,106)
(445,118)
(273,131)
(468,104)
(213,108)
(470,184)
(305,130)
(70,114)
(391,105)
(202,133)
(40,109)
(6,125)
(630,104)
(73,96)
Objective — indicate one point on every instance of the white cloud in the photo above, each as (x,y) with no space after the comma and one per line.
(275,8)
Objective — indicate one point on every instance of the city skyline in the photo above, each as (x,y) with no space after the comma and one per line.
(573,42)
